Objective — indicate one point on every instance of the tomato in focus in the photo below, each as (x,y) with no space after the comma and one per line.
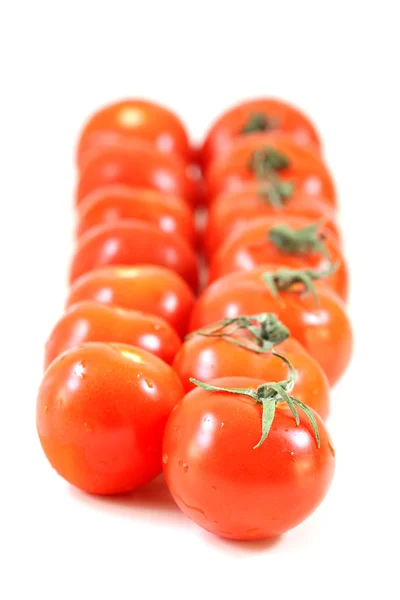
(101,414)
(228,487)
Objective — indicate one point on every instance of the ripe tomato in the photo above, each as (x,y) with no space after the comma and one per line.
(266,157)
(322,328)
(136,164)
(243,348)
(133,242)
(232,210)
(101,413)
(119,202)
(155,290)
(211,463)
(90,321)
(135,118)
(255,116)
(295,241)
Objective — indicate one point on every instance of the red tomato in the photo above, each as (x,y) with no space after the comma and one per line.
(205,357)
(304,170)
(224,484)
(323,329)
(254,245)
(136,164)
(255,116)
(134,242)
(90,321)
(132,119)
(101,413)
(233,210)
(119,202)
(155,290)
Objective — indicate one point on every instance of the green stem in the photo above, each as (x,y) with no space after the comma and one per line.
(269,395)
(284,279)
(299,241)
(259,121)
(265,162)
(265,330)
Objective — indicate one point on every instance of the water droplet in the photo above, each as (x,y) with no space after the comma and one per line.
(292,453)
(138,375)
(46,409)
(149,383)
(79,369)
(222,425)
(183,465)
(207,419)
(165,458)
(88,428)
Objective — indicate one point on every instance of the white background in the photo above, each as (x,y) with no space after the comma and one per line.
(59,61)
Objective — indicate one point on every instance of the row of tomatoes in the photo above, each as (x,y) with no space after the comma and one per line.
(245,452)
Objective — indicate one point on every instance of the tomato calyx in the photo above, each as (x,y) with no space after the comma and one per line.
(265,330)
(259,121)
(269,394)
(285,278)
(299,241)
(264,163)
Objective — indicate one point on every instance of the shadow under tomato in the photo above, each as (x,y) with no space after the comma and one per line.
(238,547)
(152,499)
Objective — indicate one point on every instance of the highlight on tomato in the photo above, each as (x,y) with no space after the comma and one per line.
(133,242)
(103,433)
(313,312)
(148,288)
(275,160)
(137,164)
(90,321)
(232,210)
(243,346)
(113,203)
(135,118)
(245,459)
(258,115)
(295,241)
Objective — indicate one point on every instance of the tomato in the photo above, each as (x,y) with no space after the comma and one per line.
(226,485)
(136,164)
(322,327)
(133,242)
(155,290)
(101,414)
(118,202)
(135,118)
(294,241)
(255,116)
(233,349)
(90,321)
(288,163)
(232,210)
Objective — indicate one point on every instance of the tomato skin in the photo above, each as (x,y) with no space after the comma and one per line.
(90,321)
(228,127)
(323,330)
(118,202)
(207,358)
(210,464)
(154,290)
(133,242)
(231,171)
(136,164)
(250,247)
(235,209)
(135,118)
(103,433)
